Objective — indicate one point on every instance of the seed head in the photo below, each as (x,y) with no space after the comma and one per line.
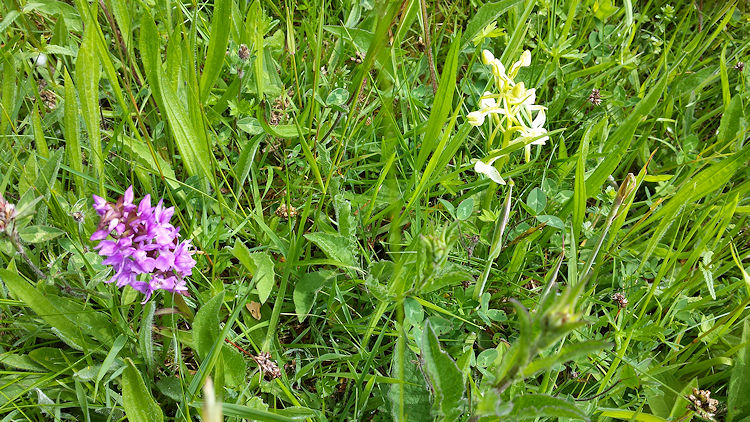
(243,52)
(702,403)
(740,66)
(620,299)
(285,212)
(595,98)
(266,365)
(7,214)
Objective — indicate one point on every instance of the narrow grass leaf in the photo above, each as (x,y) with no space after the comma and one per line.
(443,103)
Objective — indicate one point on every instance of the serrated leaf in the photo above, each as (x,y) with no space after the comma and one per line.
(344,217)
(138,402)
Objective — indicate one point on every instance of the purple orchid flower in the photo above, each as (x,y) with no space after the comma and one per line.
(144,250)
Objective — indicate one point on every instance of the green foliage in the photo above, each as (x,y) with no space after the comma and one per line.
(139,405)
(341,231)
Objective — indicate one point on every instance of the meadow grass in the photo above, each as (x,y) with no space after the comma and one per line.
(351,263)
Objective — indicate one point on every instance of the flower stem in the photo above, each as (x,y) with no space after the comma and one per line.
(16,241)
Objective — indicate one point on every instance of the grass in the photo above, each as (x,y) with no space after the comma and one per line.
(327,182)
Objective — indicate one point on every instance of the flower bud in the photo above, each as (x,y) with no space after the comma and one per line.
(525,59)
(475,118)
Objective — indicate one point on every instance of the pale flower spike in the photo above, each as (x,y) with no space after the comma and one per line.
(514,111)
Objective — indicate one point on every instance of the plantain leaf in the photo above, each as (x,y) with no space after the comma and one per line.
(217,46)
(138,402)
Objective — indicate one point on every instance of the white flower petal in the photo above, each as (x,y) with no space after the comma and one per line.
(40,60)
(475,118)
(489,171)
(539,120)
(487,57)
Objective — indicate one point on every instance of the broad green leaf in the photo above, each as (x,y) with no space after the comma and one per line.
(87,80)
(70,131)
(536,200)
(194,151)
(335,246)
(604,9)
(206,325)
(39,234)
(445,376)
(551,221)
(306,290)
(730,121)
(138,402)
(207,334)
(72,323)
(411,392)
(260,265)
(337,97)
(465,208)
(346,221)
(217,46)
(531,406)
(9,89)
(146,336)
